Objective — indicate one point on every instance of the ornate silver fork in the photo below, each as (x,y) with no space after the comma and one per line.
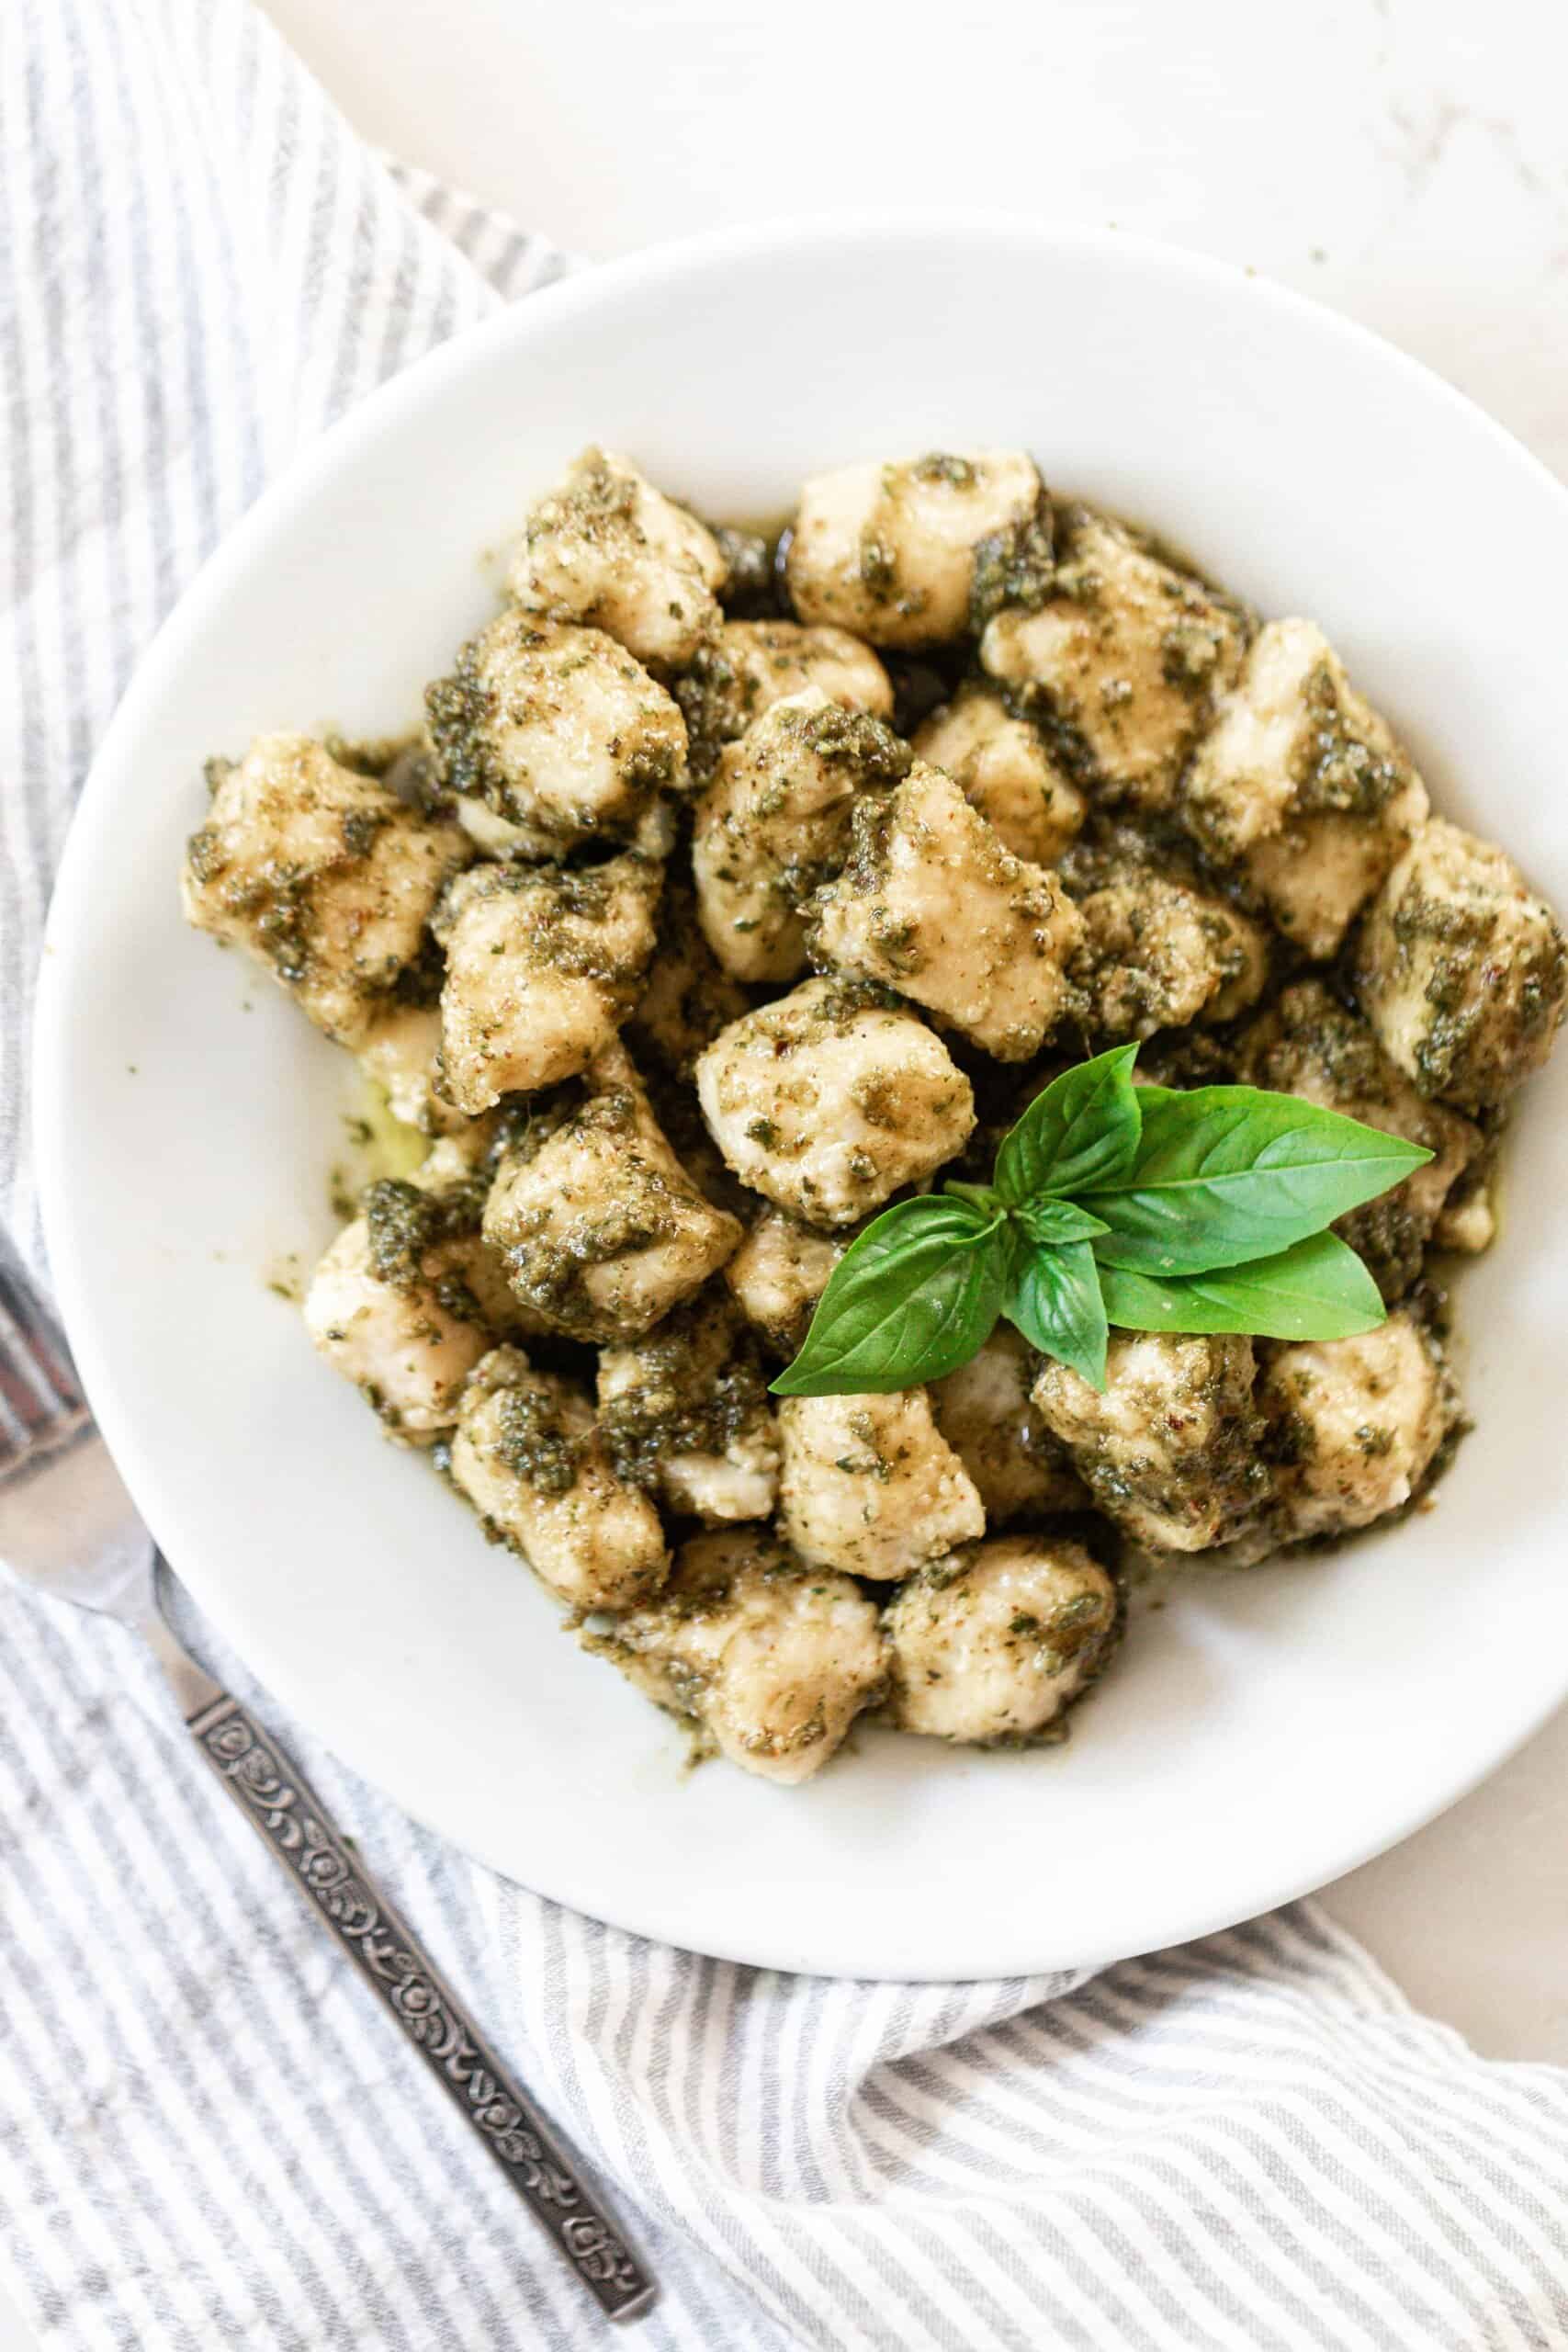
(68,1525)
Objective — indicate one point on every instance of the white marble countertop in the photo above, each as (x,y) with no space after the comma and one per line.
(1400,159)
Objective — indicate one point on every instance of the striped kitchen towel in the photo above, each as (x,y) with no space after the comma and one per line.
(206,2136)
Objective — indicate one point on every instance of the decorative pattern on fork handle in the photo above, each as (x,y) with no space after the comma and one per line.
(282,1807)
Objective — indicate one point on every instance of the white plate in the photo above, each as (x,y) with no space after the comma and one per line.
(1259,1736)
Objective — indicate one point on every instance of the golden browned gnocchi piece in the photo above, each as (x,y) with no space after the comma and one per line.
(406,1301)
(986,1414)
(778,1274)
(1170,1451)
(739,673)
(685,1412)
(775,822)
(550,736)
(1354,1425)
(1158,952)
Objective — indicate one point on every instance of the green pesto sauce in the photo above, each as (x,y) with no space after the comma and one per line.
(700,1383)
(532,1440)
(405,1225)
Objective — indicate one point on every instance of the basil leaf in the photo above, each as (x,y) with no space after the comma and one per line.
(1082,1130)
(1227,1173)
(1054,1299)
(1050,1221)
(911,1299)
(1317,1290)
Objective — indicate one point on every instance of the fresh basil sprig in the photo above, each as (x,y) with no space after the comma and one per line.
(916,1296)
(1140,1206)
(1227,1174)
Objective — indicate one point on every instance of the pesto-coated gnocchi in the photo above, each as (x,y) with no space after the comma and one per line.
(742,883)
(776,820)
(1169,1450)
(901,553)
(932,901)
(1354,1425)
(322,876)
(531,1458)
(1003,769)
(990,1645)
(608,549)
(830,1099)
(869,1485)
(765,1660)
(747,666)
(1303,786)
(1120,664)
(1312,1044)
(543,963)
(549,736)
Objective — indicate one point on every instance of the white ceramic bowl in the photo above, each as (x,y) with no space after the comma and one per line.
(1261,1735)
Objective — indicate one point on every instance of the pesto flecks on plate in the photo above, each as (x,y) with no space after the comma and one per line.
(744,887)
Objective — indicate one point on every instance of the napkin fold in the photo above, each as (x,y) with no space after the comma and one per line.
(207,2135)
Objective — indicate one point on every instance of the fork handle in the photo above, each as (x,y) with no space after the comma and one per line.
(279,1803)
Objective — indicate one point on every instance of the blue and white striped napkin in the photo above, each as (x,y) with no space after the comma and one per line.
(207,2137)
